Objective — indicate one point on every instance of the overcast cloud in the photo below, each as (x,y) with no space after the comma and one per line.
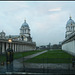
(47,20)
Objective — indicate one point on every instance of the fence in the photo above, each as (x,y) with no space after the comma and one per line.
(41,65)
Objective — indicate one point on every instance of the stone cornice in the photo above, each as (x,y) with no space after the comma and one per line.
(18,42)
(70,37)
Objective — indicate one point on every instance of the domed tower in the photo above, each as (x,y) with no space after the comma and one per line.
(70,27)
(2,34)
(24,31)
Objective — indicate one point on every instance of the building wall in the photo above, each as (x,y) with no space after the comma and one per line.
(69,47)
(68,44)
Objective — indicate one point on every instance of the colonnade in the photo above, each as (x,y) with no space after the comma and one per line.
(17,46)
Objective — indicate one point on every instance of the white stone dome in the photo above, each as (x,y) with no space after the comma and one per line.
(25,24)
(3,32)
(70,22)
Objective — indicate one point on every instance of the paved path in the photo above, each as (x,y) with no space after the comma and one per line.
(17,63)
(34,55)
(31,56)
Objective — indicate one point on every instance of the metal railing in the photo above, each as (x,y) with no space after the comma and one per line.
(41,65)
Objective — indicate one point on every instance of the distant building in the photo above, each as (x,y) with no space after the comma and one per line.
(25,32)
(2,34)
(56,46)
(24,39)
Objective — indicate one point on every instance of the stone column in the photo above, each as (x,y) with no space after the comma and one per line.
(24,47)
(21,48)
(3,48)
(18,47)
(27,48)
(6,46)
(15,48)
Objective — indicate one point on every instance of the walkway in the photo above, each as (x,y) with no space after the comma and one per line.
(31,56)
(17,63)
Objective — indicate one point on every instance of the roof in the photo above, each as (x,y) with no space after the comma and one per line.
(70,22)
(13,36)
(2,32)
(25,24)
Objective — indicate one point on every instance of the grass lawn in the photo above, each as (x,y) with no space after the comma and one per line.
(55,56)
(22,54)
(2,58)
(19,55)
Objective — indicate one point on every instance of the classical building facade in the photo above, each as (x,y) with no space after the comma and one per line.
(68,44)
(21,42)
(70,27)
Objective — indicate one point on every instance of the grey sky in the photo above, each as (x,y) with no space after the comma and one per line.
(47,20)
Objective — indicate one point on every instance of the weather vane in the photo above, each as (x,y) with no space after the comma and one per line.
(70,16)
(25,19)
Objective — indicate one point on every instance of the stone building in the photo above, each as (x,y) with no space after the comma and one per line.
(70,27)
(21,42)
(2,34)
(68,44)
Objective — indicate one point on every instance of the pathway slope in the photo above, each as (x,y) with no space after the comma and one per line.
(17,63)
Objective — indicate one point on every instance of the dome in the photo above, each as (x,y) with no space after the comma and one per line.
(70,22)
(25,24)
(3,32)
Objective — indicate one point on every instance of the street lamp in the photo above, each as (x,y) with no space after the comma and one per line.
(10,41)
(9,56)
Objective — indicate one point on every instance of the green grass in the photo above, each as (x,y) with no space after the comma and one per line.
(19,55)
(2,58)
(23,54)
(55,56)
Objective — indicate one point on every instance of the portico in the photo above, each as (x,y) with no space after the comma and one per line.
(17,46)
(21,42)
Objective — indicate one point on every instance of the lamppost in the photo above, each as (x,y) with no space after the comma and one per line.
(10,41)
(9,57)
